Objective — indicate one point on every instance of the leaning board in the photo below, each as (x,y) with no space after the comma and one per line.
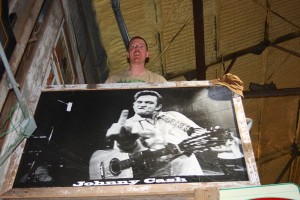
(72,122)
(283,191)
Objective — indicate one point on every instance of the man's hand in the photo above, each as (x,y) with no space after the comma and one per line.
(151,139)
(231,149)
(122,132)
(197,142)
(118,129)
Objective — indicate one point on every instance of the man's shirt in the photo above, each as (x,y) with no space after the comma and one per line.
(169,127)
(125,77)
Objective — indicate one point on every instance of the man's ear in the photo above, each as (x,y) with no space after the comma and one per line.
(147,57)
(128,59)
(158,107)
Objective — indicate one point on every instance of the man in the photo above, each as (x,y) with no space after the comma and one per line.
(154,143)
(152,129)
(137,55)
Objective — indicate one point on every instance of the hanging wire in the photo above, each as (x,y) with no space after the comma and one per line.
(21,132)
(8,121)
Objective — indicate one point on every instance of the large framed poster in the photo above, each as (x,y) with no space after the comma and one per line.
(114,139)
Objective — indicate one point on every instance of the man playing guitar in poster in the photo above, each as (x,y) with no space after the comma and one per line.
(156,143)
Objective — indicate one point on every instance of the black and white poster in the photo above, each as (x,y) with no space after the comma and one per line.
(133,136)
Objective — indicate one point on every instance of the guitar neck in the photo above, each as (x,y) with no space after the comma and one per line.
(169,149)
(140,157)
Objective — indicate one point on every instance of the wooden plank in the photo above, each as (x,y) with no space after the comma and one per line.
(211,193)
(20,48)
(30,90)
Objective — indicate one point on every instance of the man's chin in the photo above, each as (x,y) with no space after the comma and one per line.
(143,114)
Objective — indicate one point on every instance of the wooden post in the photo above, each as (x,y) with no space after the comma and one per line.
(210,193)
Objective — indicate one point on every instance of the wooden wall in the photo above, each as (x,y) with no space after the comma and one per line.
(38,32)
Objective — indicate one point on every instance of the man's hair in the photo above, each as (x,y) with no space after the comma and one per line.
(148,92)
(137,37)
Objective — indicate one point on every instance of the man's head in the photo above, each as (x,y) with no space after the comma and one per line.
(147,103)
(137,50)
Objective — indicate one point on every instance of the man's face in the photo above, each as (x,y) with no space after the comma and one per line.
(146,105)
(137,51)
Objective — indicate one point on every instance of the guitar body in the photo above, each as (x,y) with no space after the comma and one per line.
(112,164)
(104,165)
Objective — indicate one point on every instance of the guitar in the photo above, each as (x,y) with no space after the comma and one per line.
(111,164)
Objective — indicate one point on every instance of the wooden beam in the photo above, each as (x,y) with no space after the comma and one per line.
(255,49)
(199,39)
(271,93)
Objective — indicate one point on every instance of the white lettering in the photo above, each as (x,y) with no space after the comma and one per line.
(111,183)
(122,182)
(99,183)
(88,183)
(80,183)
(168,180)
(180,180)
(160,181)
(149,180)
(133,182)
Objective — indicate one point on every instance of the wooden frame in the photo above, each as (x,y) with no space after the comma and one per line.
(52,77)
(7,37)
(62,57)
(97,107)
